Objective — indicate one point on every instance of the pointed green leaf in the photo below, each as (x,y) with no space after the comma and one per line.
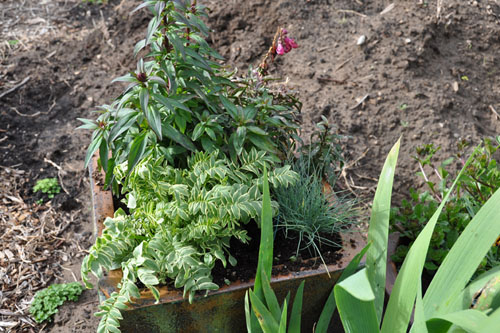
(137,150)
(282,328)
(355,302)
(270,298)
(402,300)
(266,241)
(330,305)
(265,318)
(296,315)
(94,145)
(173,134)
(378,231)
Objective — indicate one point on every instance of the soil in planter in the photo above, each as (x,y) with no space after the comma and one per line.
(285,259)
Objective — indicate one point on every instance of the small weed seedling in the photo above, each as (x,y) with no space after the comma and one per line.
(46,301)
(48,186)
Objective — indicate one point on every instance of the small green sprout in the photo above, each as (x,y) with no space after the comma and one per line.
(46,301)
(403,106)
(48,186)
(464,78)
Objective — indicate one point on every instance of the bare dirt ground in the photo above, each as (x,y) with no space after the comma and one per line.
(424,77)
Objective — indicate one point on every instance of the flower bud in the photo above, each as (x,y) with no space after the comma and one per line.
(142,77)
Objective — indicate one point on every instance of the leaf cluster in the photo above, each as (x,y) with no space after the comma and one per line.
(181,100)
(474,187)
(46,301)
(181,221)
(324,152)
(186,141)
(49,186)
(262,310)
(450,303)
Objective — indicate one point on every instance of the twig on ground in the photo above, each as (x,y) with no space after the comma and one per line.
(67,269)
(350,12)
(342,64)
(36,114)
(346,167)
(14,88)
(60,173)
(497,116)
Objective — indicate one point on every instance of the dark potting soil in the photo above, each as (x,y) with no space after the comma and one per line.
(285,256)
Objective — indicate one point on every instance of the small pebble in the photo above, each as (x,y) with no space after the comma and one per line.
(361,40)
(407,41)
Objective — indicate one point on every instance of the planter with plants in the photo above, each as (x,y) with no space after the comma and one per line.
(185,146)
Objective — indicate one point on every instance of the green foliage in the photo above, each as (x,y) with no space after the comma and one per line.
(445,306)
(265,313)
(181,221)
(323,153)
(308,212)
(186,141)
(182,100)
(46,301)
(48,186)
(476,185)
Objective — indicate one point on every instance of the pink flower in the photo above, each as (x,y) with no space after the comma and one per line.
(290,43)
(287,47)
(280,50)
(284,31)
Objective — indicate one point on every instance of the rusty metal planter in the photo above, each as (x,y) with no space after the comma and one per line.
(221,310)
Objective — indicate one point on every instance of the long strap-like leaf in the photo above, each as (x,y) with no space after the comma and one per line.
(400,306)
(463,259)
(330,305)
(355,301)
(378,232)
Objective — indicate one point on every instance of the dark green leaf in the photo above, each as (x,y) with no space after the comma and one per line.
(87,124)
(144,99)
(137,150)
(94,145)
(126,78)
(154,120)
(178,137)
(296,315)
(103,154)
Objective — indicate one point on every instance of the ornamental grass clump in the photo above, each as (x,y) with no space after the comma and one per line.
(309,213)
(185,144)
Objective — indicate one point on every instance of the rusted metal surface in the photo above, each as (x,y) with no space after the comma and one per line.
(221,310)
(102,201)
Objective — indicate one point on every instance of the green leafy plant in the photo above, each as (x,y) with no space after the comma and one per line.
(180,222)
(446,304)
(323,153)
(46,301)
(182,100)
(474,187)
(311,214)
(184,143)
(49,186)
